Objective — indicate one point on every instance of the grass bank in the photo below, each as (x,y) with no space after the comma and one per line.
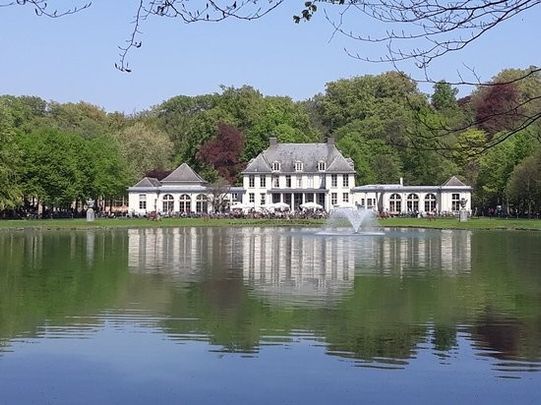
(145,223)
(444,223)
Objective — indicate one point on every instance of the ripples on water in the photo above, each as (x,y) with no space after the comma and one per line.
(404,301)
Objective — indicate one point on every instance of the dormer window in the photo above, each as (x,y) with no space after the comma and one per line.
(275,166)
(321,166)
(298,166)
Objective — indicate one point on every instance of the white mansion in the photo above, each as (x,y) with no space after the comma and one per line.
(295,174)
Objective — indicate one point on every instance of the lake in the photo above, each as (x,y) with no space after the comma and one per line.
(269,315)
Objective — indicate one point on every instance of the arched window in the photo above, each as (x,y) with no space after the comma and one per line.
(412,202)
(395,203)
(201,203)
(168,203)
(430,203)
(185,203)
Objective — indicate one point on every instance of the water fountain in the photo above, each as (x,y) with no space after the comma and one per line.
(361,220)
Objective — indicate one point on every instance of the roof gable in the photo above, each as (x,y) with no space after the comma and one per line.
(183,174)
(340,164)
(258,164)
(148,182)
(453,182)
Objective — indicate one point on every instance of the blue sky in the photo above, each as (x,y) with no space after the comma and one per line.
(72,58)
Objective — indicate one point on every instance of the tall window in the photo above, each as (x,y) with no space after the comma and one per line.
(334,198)
(168,203)
(299,181)
(201,203)
(310,181)
(235,196)
(262,199)
(142,201)
(251,198)
(298,166)
(263,181)
(455,202)
(395,203)
(185,203)
(345,180)
(321,166)
(288,181)
(412,202)
(251,181)
(430,203)
(334,180)
(275,181)
(275,166)
(345,197)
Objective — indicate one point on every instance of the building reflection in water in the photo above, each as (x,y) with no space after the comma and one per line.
(278,263)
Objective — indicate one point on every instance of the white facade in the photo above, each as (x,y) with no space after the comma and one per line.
(295,174)
(396,199)
(183,192)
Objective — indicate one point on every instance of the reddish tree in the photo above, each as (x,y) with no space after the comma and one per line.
(497,108)
(224,151)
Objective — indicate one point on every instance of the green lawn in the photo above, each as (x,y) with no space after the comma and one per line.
(451,223)
(472,223)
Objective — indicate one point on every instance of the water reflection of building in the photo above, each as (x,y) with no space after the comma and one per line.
(179,251)
(294,263)
(410,252)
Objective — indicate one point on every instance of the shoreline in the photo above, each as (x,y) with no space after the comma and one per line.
(122,223)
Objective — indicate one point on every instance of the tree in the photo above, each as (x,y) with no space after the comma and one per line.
(9,160)
(417,32)
(144,148)
(375,161)
(109,173)
(82,118)
(524,186)
(51,167)
(219,190)
(444,97)
(497,108)
(224,152)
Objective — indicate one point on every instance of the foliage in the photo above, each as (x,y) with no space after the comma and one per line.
(144,148)
(496,108)
(54,166)
(59,168)
(224,152)
(444,97)
(59,153)
(9,160)
(524,186)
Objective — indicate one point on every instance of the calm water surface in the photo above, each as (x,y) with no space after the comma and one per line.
(265,315)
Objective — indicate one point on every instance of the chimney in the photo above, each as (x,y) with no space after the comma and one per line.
(273,141)
(330,140)
(401,181)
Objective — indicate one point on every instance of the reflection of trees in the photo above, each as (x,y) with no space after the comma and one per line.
(46,277)
(400,295)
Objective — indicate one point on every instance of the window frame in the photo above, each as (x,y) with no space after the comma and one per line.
(334,180)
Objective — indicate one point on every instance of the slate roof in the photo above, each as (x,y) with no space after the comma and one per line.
(310,154)
(148,182)
(453,182)
(183,174)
